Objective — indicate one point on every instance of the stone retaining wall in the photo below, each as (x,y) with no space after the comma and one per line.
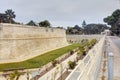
(78,38)
(89,67)
(21,42)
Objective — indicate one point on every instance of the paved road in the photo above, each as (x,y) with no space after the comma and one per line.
(115,48)
(116,41)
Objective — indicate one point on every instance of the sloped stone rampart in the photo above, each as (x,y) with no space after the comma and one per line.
(21,42)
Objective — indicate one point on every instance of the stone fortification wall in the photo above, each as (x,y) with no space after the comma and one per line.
(78,38)
(10,31)
(22,42)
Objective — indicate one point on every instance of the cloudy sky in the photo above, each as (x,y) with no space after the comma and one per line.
(61,12)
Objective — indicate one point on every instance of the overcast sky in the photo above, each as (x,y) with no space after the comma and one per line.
(60,12)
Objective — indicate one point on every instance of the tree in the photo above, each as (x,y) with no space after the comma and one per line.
(88,29)
(74,30)
(31,23)
(10,15)
(45,23)
(77,27)
(69,30)
(84,24)
(95,28)
(114,21)
(113,18)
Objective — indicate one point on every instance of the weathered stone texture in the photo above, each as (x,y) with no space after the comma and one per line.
(21,41)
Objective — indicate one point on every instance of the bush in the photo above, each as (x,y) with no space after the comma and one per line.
(72,64)
(79,52)
(71,52)
(54,62)
(84,42)
(84,53)
(82,50)
(93,42)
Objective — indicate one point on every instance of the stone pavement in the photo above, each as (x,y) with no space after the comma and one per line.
(103,75)
(115,49)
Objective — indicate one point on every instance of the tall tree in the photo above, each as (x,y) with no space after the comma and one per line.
(95,28)
(114,21)
(10,15)
(84,24)
(45,23)
(74,30)
(31,23)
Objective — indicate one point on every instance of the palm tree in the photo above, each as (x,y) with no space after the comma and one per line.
(10,15)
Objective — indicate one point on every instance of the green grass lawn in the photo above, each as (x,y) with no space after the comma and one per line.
(39,60)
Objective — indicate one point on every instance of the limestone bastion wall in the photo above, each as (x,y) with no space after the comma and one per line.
(79,38)
(23,42)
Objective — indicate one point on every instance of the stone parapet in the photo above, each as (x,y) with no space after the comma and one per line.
(89,67)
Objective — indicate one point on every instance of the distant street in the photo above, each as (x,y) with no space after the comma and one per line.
(116,41)
(115,48)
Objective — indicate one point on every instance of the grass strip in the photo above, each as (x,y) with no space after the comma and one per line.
(40,60)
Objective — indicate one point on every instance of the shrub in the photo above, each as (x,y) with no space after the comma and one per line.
(93,42)
(80,51)
(79,54)
(71,52)
(86,48)
(84,53)
(54,62)
(84,42)
(72,64)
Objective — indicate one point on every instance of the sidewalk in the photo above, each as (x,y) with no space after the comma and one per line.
(103,75)
(115,50)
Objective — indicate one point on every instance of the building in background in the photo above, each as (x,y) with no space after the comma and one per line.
(106,32)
